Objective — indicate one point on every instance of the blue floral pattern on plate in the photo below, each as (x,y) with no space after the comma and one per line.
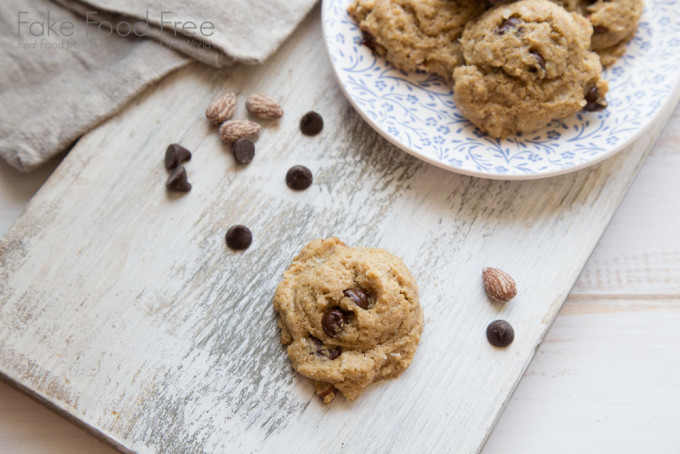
(416,112)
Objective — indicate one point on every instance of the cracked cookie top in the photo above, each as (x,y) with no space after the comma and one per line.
(614,24)
(416,35)
(350,316)
(527,63)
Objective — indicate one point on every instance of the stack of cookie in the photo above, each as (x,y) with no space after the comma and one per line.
(516,66)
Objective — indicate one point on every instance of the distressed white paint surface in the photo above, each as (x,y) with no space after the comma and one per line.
(124,308)
(605,379)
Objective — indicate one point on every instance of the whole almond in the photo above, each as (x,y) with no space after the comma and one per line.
(221,109)
(230,131)
(499,285)
(264,106)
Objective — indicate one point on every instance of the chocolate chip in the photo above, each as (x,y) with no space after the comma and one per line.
(333,321)
(175,155)
(331,352)
(593,101)
(600,29)
(592,95)
(177,181)
(244,150)
(239,237)
(594,107)
(368,39)
(539,59)
(299,178)
(327,393)
(357,296)
(311,123)
(507,24)
(500,333)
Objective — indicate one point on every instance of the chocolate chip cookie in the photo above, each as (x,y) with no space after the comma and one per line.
(416,34)
(527,63)
(614,24)
(349,316)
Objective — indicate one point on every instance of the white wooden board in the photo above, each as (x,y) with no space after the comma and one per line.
(561,391)
(122,307)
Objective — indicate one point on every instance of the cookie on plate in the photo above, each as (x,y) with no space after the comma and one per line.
(527,63)
(349,316)
(614,24)
(416,34)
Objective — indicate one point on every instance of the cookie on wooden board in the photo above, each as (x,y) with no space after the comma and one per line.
(348,315)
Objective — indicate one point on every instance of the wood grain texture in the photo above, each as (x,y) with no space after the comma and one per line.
(599,395)
(26,427)
(650,267)
(605,377)
(548,414)
(17,188)
(123,308)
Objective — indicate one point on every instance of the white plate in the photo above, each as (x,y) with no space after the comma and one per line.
(415,111)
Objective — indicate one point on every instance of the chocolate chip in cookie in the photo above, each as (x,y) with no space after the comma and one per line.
(326,392)
(333,321)
(323,350)
(593,101)
(539,59)
(357,296)
(508,24)
(368,40)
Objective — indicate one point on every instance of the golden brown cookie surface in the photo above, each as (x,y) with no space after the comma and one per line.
(416,34)
(527,63)
(614,24)
(350,316)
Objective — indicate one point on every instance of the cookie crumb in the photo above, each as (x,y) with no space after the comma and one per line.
(325,391)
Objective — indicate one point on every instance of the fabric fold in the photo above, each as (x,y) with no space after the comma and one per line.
(215,32)
(67,65)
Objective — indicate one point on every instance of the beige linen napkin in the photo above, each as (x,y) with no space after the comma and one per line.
(67,65)
(216,32)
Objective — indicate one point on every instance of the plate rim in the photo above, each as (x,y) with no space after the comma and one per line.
(667,104)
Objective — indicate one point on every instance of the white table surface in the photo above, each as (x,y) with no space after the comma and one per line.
(605,379)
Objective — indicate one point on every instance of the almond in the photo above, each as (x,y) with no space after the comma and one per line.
(499,285)
(264,106)
(221,109)
(230,131)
